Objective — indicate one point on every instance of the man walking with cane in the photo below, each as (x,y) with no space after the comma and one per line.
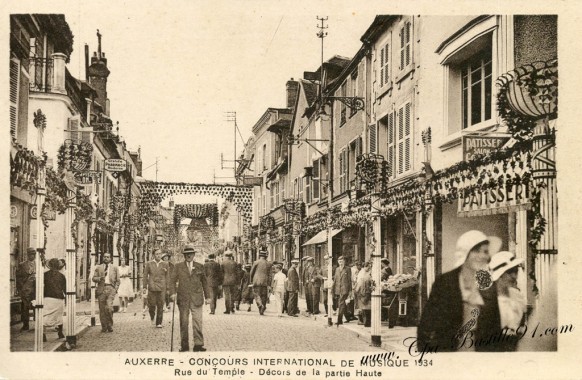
(188,280)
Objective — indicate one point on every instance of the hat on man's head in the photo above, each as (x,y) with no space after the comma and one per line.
(470,240)
(166,254)
(30,250)
(188,251)
(341,258)
(501,262)
(295,261)
(263,254)
(228,254)
(211,256)
(385,261)
(248,266)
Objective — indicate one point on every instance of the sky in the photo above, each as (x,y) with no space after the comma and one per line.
(177,70)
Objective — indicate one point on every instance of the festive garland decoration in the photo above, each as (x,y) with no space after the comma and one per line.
(526,94)
(154,192)
(74,155)
(267,223)
(24,168)
(196,211)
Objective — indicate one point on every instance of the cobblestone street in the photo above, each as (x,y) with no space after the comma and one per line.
(243,331)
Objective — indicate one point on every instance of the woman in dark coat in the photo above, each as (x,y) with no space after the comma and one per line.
(55,287)
(459,316)
(246,292)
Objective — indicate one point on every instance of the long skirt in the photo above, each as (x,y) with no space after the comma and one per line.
(52,311)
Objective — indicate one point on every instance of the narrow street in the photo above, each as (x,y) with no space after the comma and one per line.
(242,331)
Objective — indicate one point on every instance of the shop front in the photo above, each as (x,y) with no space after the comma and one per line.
(20,212)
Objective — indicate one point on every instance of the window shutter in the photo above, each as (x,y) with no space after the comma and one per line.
(402,44)
(86,137)
(386,64)
(315,186)
(74,128)
(400,140)
(308,189)
(14,87)
(372,138)
(407,41)
(391,145)
(382,67)
(407,136)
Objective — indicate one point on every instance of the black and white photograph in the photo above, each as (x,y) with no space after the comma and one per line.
(269,191)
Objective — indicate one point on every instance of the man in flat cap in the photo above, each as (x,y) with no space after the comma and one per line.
(261,278)
(192,289)
(213,272)
(229,282)
(292,288)
(26,285)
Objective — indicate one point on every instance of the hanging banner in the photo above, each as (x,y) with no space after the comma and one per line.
(481,145)
(498,200)
(115,165)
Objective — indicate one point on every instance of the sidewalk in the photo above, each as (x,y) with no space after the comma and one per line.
(392,338)
(24,340)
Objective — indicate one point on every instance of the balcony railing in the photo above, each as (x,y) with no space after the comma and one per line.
(41,74)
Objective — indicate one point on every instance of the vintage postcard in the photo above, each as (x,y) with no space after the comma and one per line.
(277,190)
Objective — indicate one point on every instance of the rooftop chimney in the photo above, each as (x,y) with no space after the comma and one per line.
(292,87)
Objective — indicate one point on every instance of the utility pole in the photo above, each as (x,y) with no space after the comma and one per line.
(321,34)
(156,169)
(231,116)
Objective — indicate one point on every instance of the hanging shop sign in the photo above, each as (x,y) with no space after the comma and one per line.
(115,165)
(88,177)
(497,200)
(253,181)
(481,145)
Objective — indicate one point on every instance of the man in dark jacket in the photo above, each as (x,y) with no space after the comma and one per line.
(229,281)
(292,289)
(191,291)
(155,279)
(213,272)
(342,287)
(316,280)
(261,278)
(306,278)
(25,284)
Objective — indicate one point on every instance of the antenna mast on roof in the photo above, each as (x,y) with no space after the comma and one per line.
(321,34)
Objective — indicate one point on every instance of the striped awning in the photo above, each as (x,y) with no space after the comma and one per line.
(321,237)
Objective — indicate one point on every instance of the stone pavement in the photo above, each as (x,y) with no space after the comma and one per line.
(242,331)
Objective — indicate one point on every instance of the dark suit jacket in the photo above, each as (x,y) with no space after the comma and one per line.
(25,279)
(229,269)
(192,288)
(213,273)
(156,276)
(342,281)
(386,273)
(99,275)
(317,277)
(443,315)
(292,280)
(261,274)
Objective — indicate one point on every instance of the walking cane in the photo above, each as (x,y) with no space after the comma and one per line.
(172,335)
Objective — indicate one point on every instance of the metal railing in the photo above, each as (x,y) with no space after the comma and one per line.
(41,74)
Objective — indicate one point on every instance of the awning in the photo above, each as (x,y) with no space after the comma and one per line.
(321,237)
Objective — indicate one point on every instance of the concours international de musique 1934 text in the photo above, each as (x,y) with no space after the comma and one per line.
(369,366)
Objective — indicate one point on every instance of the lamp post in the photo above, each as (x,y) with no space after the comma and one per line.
(39,270)
(70,260)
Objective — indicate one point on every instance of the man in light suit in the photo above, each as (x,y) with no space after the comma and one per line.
(155,279)
(229,282)
(261,277)
(192,289)
(107,278)
(342,287)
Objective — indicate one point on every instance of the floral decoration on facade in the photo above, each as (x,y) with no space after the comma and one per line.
(74,155)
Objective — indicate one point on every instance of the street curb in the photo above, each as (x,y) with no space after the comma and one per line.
(63,345)
(388,346)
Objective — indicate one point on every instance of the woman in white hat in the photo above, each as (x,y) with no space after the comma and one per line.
(504,268)
(459,316)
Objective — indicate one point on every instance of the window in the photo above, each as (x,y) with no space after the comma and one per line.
(14,88)
(265,204)
(405,45)
(74,129)
(307,189)
(315,180)
(264,158)
(300,189)
(476,85)
(295,190)
(343,93)
(385,65)
(344,167)
(354,87)
(272,193)
(390,152)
